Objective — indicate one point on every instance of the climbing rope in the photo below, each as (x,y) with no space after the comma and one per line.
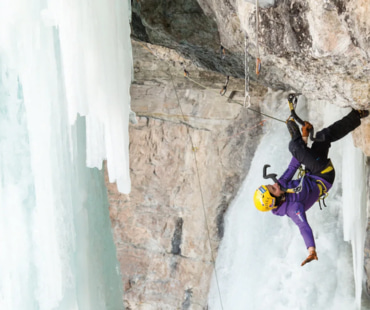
(257,22)
(258,60)
(247,97)
(201,191)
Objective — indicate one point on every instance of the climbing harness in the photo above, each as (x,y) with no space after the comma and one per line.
(297,189)
(292,101)
(224,88)
(320,184)
(329,167)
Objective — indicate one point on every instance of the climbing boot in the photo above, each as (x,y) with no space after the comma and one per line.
(293,129)
(363,113)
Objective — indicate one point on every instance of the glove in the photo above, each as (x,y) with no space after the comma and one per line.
(310,257)
(306,129)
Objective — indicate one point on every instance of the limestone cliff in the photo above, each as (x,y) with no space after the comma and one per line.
(189,153)
(191,147)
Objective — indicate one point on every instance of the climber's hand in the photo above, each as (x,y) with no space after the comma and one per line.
(306,129)
(310,257)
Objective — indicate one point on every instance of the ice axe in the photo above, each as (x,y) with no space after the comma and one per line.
(292,100)
(269,176)
(273,176)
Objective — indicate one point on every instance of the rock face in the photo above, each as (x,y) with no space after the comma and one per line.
(191,147)
(189,153)
(318,48)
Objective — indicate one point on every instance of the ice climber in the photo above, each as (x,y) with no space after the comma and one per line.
(294,197)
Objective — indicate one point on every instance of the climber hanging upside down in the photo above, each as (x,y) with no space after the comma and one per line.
(294,197)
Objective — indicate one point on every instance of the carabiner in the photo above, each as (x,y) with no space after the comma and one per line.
(222,53)
(224,88)
(258,66)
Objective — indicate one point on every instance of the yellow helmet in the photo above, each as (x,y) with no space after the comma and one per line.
(263,199)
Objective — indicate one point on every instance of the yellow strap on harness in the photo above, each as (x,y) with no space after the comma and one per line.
(328,168)
(323,189)
(323,192)
(320,184)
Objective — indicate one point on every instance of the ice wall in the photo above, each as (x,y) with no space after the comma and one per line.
(58,60)
(354,213)
(97,67)
(92,40)
(258,265)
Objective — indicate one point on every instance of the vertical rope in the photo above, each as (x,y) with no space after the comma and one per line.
(247,97)
(258,60)
(257,22)
(201,194)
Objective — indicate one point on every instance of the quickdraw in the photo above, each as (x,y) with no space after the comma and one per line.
(323,193)
(258,66)
(222,53)
(224,88)
(186,72)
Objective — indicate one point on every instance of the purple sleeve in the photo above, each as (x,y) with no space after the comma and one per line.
(298,215)
(290,171)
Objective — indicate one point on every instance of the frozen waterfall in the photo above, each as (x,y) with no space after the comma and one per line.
(64,106)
